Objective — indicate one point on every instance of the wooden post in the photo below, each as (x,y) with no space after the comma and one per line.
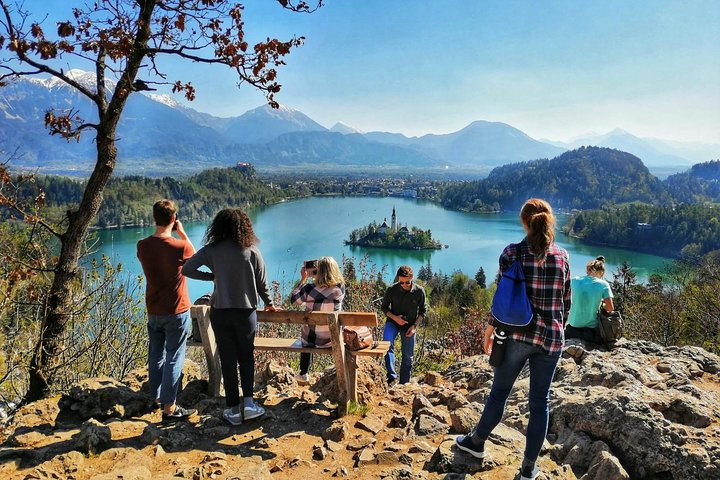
(338,350)
(202,314)
(352,376)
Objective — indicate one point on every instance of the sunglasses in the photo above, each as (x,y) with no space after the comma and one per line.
(409,282)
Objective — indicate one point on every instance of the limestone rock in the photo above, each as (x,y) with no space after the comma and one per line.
(365,457)
(448,459)
(132,472)
(615,397)
(64,466)
(421,447)
(333,446)
(371,382)
(361,443)
(403,473)
(93,437)
(387,458)
(465,419)
(337,431)
(420,402)
(606,467)
(252,468)
(319,452)
(398,421)
(433,378)
(428,426)
(455,400)
(372,424)
(104,397)
(42,413)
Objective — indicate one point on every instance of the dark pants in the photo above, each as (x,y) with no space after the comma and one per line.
(235,337)
(305,362)
(542,369)
(586,334)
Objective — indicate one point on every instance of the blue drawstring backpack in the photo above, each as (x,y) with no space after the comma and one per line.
(511,306)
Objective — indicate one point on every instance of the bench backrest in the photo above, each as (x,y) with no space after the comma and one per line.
(350,319)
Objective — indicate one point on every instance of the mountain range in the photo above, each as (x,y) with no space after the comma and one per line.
(158,136)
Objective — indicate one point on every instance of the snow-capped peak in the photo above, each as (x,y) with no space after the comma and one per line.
(86,79)
(345,129)
(164,99)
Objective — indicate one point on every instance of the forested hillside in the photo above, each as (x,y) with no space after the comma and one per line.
(699,184)
(683,229)
(129,200)
(588,177)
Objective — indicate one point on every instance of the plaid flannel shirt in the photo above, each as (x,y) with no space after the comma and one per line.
(548,288)
(318,299)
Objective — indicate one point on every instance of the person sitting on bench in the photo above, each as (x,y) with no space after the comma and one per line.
(321,289)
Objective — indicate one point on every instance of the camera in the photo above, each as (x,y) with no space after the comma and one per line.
(310,266)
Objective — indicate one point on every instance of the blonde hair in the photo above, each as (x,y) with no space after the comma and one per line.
(595,267)
(328,273)
(538,218)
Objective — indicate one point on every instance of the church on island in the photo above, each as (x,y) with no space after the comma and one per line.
(392,236)
(383,229)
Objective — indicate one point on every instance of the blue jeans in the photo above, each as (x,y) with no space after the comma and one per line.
(166,353)
(407,348)
(542,369)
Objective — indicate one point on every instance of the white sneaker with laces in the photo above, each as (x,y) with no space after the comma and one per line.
(530,475)
(253,412)
(231,417)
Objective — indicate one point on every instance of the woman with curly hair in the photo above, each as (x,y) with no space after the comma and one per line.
(237,270)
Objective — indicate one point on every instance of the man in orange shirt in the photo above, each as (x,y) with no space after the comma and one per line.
(168,305)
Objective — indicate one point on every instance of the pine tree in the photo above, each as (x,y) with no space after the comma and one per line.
(480,278)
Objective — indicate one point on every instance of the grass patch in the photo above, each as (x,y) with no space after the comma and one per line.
(359,409)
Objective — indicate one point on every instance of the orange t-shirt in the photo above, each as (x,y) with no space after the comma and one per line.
(162,260)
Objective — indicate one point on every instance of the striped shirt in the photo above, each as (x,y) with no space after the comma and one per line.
(318,299)
(548,288)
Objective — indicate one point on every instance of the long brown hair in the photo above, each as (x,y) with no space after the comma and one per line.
(231,224)
(539,220)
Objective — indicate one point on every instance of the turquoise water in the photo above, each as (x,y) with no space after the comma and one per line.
(293,231)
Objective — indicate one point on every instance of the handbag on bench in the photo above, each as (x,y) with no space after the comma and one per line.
(357,338)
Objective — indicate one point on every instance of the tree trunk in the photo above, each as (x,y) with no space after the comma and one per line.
(61,296)
(61,299)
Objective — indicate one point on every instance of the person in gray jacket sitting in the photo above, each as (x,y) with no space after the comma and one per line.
(237,270)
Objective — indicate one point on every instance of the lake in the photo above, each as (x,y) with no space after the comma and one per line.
(297,230)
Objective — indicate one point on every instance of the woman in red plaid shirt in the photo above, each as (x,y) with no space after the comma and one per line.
(547,276)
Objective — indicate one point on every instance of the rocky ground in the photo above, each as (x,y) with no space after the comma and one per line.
(640,411)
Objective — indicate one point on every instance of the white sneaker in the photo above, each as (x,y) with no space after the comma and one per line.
(233,418)
(253,412)
(524,475)
(302,379)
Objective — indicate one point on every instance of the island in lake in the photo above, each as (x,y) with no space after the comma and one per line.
(393,236)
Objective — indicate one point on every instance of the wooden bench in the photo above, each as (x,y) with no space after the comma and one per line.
(344,359)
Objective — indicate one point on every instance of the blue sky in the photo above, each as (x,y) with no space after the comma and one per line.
(554,69)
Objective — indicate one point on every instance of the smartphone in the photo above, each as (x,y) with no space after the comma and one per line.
(175,224)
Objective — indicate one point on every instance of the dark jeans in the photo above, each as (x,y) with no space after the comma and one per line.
(587,334)
(235,337)
(305,362)
(542,369)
